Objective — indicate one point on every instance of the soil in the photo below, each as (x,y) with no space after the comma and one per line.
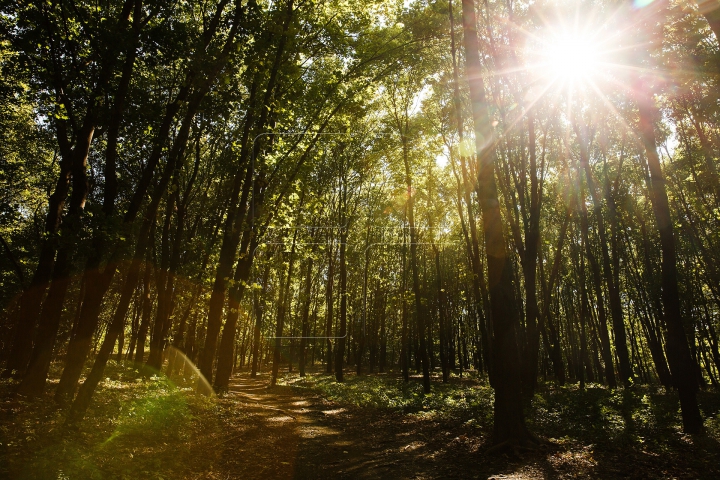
(285,432)
(291,433)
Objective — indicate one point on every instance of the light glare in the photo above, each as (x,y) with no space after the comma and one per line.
(572,57)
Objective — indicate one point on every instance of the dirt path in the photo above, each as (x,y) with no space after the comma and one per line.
(286,433)
(253,432)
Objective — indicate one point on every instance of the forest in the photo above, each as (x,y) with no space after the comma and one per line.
(379,239)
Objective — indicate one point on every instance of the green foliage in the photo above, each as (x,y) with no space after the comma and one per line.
(137,428)
(456,399)
(597,415)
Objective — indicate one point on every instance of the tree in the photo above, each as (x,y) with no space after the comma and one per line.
(509,418)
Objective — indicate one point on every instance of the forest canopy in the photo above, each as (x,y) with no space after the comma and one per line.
(525,191)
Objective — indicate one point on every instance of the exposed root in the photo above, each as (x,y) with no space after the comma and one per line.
(530,444)
(500,447)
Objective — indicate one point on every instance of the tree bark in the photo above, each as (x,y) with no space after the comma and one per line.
(233,225)
(146,311)
(330,301)
(305,316)
(509,425)
(613,290)
(681,362)
(340,340)
(281,313)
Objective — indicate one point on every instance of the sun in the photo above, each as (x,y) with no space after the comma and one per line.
(571,57)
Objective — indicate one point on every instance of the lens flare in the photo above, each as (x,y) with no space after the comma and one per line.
(572,56)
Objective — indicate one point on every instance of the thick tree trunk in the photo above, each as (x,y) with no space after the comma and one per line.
(682,365)
(34,381)
(509,425)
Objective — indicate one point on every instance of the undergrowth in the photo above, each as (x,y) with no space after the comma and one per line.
(136,427)
(147,426)
(597,414)
(461,398)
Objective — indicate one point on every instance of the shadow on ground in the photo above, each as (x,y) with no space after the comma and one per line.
(141,427)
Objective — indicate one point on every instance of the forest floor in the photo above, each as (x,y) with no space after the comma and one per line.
(373,426)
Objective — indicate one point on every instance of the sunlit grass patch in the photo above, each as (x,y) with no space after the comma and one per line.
(136,426)
(457,399)
(633,417)
(161,411)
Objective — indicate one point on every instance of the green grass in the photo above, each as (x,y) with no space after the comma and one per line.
(151,427)
(466,398)
(597,414)
(136,427)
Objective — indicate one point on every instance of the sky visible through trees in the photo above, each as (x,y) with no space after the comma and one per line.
(525,193)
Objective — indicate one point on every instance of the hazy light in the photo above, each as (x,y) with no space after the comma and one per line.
(466,147)
(441,160)
(571,56)
(642,3)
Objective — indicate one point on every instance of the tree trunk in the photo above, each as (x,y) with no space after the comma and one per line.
(614,293)
(329,300)
(681,362)
(597,284)
(340,340)
(419,312)
(305,316)
(404,335)
(242,275)
(146,311)
(282,301)
(478,280)
(444,365)
(509,425)
(257,298)
(237,211)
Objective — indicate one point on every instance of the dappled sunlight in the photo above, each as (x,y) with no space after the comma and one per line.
(280,419)
(337,239)
(334,411)
(412,446)
(136,424)
(314,431)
